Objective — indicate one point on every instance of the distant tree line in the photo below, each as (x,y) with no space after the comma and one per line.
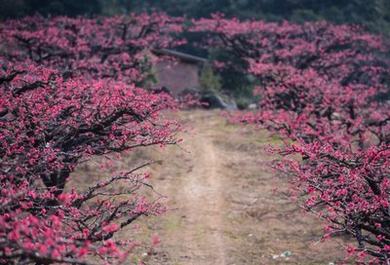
(374,14)
(20,8)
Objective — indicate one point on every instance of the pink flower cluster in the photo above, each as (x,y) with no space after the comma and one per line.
(69,90)
(319,86)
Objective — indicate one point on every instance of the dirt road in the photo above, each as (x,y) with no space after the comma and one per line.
(225,206)
(202,200)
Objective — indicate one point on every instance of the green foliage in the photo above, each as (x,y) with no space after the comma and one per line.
(148,71)
(209,81)
(373,14)
(234,82)
(242,102)
(19,8)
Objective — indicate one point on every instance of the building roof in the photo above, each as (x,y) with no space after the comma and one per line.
(182,56)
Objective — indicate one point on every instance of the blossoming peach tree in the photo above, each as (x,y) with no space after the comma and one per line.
(320,87)
(69,90)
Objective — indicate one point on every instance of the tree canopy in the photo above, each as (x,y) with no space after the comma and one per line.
(374,14)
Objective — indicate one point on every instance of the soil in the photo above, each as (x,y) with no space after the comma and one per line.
(224,203)
(226,206)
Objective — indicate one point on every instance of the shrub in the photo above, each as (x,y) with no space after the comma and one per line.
(68,92)
(317,84)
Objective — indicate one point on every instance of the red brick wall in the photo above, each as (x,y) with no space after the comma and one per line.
(177,76)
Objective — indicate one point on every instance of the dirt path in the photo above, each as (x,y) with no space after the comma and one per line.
(202,201)
(193,226)
(224,205)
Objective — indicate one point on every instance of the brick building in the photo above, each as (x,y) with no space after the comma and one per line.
(177,71)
